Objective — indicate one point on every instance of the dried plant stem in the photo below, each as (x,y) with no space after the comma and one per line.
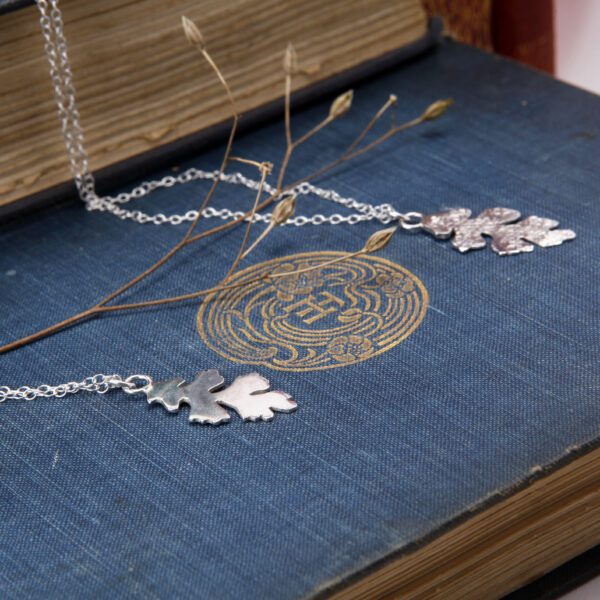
(45,332)
(186,239)
(288,93)
(259,239)
(223,287)
(222,79)
(98,309)
(390,101)
(349,156)
(320,265)
(207,199)
(342,159)
(246,161)
(189,239)
(240,254)
(293,145)
(380,139)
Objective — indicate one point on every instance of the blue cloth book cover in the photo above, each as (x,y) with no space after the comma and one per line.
(432,386)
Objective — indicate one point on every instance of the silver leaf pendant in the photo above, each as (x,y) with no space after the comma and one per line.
(248,395)
(500,224)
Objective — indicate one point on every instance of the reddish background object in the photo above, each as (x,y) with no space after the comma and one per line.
(525,31)
(519,29)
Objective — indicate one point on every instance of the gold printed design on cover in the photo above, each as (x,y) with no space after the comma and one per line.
(338,315)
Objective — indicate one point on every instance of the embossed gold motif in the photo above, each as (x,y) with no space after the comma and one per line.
(331,317)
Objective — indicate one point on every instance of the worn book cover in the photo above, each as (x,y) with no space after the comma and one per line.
(438,392)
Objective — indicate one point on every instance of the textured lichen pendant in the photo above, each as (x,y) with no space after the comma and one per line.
(509,236)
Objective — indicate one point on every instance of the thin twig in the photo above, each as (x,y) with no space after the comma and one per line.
(290,148)
(246,161)
(390,101)
(259,239)
(342,159)
(223,287)
(320,265)
(264,172)
(346,157)
(208,197)
(96,310)
(288,93)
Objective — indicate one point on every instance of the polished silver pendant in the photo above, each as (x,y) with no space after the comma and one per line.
(248,395)
(509,236)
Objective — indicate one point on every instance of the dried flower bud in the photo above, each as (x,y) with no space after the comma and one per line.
(341,105)
(393,99)
(266,167)
(192,33)
(379,240)
(437,109)
(284,210)
(290,63)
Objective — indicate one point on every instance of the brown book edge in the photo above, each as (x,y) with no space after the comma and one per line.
(498,546)
(143,165)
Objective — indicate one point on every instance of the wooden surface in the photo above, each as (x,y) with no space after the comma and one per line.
(502,548)
(140,84)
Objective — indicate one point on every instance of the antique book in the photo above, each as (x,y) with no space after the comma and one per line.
(141,86)
(447,450)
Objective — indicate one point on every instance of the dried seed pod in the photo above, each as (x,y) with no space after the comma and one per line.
(284,210)
(341,105)
(290,62)
(192,33)
(379,240)
(266,167)
(437,109)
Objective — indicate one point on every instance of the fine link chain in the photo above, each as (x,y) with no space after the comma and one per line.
(97,383)
(64,91)
(384,213)
(62,81)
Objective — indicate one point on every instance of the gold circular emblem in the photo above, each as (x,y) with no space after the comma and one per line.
(328,317)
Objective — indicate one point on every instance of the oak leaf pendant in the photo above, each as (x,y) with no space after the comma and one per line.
(248,395)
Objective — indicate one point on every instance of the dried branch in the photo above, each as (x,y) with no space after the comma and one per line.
(376,242)
(392,100)
(265,169)
(284,210)
(195,37)
(290,66)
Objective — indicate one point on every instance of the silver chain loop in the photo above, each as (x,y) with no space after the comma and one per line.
(384,213)
(64,91)
(411,220)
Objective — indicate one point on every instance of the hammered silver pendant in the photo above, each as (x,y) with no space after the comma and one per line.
(500,224)
(248,395)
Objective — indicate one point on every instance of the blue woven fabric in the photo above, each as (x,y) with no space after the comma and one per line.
(107,497)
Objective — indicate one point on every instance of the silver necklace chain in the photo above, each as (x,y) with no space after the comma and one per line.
(384,213)
(64,92)
(507,238)
(97,383)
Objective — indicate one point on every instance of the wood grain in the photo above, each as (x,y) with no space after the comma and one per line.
(140,84)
